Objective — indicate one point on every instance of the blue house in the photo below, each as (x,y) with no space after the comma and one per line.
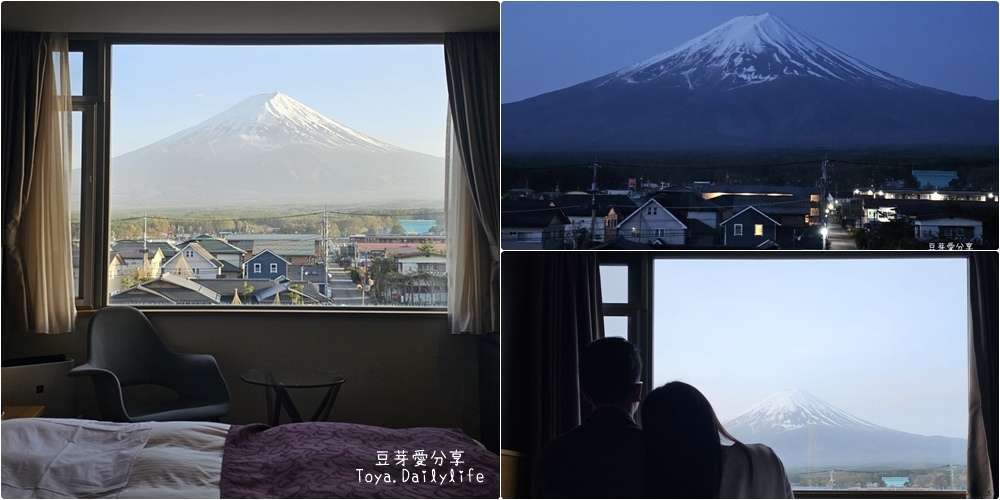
(750,229)
(265,265)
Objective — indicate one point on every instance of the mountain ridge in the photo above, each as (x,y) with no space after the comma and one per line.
(805,431)
(272,148)
(743,43)
(737,87)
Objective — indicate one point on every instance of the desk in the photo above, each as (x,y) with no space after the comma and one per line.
(10,412)
(281,379)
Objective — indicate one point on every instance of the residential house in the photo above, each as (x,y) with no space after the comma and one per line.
(422,280)
(940,228)
(149,259)
(587,213)
(194,262)
(298,249)
(298,293)
(651,222)
(700,216)
(250,291)
(616,213)
(934,221)
(116,270)
(750,228)
(532,225)
(231,256)
(423,262)
(266,265)
(168,289)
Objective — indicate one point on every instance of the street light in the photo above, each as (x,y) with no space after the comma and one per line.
(824,231)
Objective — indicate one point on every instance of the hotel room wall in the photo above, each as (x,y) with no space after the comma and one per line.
(402,370)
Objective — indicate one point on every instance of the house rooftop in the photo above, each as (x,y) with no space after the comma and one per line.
(530,213)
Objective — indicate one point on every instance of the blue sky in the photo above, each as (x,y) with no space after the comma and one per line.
(884,340)
(548,46)
(394,93)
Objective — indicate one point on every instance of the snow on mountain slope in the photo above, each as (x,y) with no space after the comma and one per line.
(793,409)
(269,121)
(753,49)
(271,148)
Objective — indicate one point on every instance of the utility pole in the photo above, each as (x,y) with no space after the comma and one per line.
(326,252)
(593,203)
(822,190)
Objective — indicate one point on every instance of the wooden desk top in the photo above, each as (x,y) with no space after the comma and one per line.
(10,412)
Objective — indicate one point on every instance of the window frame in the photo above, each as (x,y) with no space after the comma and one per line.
(641,300)
(95,192)
(737,229)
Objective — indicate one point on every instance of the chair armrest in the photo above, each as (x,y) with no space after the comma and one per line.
(201,376)
(109,392)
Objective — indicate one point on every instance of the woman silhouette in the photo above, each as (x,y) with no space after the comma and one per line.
(686,457)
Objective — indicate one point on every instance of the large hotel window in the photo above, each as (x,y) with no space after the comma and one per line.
(325,163)
(864,388)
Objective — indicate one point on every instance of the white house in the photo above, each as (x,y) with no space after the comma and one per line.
(421,262)
(193,262)
(943,228)
(651,222)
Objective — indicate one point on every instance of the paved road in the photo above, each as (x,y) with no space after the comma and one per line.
(838,237)
(343,291)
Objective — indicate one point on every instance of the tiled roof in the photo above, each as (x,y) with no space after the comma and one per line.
(530,213)
(286,248)
(215,246)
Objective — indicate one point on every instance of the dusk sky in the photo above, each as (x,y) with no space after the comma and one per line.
(882,339)
(394,93)
(548,46)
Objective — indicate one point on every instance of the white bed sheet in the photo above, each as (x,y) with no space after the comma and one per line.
(69,458)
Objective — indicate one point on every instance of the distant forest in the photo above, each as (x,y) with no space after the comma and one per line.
(936,478)
(847,170)
(286,220)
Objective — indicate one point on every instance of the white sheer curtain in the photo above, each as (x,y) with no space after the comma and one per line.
(468,251)
(38,233)
(472,64)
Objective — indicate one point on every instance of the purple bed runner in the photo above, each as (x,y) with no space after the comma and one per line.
(339,460)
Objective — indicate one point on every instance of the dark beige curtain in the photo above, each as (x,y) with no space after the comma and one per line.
(551,309)
(38,293)
(982,454)
(472,65)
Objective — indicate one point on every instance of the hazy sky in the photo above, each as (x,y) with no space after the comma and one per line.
(548,46)
(394,93)
(884,340)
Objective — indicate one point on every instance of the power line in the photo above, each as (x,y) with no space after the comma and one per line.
(269,217)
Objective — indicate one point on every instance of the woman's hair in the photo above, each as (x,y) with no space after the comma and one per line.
(683,445)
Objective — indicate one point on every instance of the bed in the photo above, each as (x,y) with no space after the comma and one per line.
(69,458)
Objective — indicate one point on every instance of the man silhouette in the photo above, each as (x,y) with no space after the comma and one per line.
(603,457)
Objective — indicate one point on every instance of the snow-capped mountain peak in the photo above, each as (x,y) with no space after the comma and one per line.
(793,409)
(271,121)
(749,50)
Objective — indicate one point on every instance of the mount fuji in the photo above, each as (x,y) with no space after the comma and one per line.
(807,432)
(273,149)
(754,82)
